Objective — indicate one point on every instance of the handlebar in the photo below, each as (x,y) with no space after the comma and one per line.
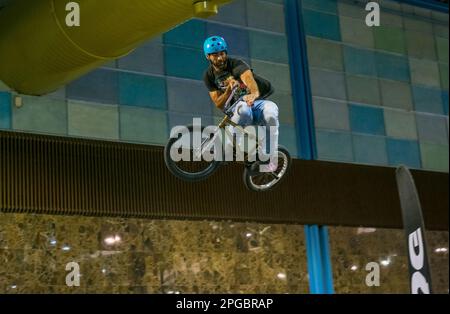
(228,109)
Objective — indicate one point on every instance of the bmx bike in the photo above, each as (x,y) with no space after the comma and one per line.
(195,168)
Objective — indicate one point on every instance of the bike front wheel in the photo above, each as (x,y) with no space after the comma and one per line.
(189,168)
(264,181)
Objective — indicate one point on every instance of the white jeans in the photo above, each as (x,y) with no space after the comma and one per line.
(262,113)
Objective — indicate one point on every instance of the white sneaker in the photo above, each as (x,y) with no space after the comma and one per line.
(270,167)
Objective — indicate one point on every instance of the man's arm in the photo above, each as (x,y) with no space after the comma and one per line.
(249,81)
(220,98)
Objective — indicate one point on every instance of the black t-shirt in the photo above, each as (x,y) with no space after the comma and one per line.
(216,81)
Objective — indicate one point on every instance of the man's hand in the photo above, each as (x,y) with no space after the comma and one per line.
(220,97)
(250,99)
(231,82)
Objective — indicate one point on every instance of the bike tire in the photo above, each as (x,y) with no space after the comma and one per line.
(248,174)
(182,174)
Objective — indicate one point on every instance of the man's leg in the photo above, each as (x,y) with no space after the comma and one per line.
(266,114)
(243,116)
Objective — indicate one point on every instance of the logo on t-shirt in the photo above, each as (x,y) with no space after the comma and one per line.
(221,83)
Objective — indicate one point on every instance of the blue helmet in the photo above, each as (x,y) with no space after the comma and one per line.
(214,44)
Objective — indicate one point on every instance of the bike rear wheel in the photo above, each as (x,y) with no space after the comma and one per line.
(260,181)
(189,170)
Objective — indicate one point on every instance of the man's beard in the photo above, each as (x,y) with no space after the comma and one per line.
(220,65)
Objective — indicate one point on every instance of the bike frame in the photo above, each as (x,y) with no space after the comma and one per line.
(226,121)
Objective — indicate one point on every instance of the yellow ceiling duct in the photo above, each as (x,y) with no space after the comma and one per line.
(39,52)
